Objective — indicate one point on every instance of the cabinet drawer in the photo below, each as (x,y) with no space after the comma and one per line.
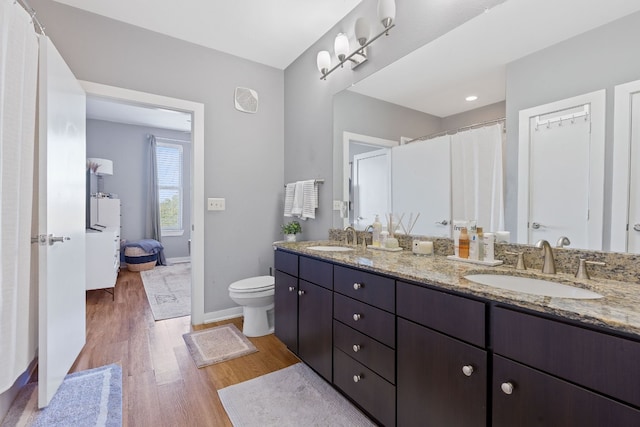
(369,320)
(602,362)
(459,317)
(315,271)
(284,261)
(366,287)
(539,399)
(366,350)
(371,392)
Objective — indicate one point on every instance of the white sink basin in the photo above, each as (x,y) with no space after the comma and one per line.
(533,286)
(330,248)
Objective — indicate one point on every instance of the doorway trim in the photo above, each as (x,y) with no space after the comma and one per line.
(597,101)
(347,138)
(197,201)
(621,165)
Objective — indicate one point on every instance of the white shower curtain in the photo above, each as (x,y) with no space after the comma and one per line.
(18,84)
(477,177)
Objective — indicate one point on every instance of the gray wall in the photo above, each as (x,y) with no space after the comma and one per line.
(128,147)
(477,115)
(353,112)
(598,59)
(308,100)
(243,153)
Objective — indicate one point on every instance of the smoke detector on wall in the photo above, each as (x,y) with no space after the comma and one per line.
(246,100)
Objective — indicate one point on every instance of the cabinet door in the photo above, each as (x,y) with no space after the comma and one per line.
(315,327)
(286,310)
(432,388)
(538,399)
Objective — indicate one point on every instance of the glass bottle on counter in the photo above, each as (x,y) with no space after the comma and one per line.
(463,243)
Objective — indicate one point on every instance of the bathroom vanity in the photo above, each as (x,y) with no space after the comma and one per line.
(411,342)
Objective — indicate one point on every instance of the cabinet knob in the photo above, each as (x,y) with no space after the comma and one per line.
(507,388)
(356,348)
(357,286)
(357,378)
(467,370)
(292,288)
(357,317)
(300,292)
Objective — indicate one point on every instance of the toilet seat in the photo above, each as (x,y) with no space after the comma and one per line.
(253,284)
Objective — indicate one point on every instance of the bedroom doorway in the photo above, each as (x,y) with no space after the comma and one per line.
(194,221)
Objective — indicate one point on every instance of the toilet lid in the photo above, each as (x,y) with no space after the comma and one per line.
(252,284)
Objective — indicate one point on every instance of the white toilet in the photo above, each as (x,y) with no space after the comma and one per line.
(255,295)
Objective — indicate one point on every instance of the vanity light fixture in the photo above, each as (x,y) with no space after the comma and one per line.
(386,14)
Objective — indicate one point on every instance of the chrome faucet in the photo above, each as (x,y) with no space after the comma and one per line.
(562,242)
(548,265)
(367,231)
(351,232)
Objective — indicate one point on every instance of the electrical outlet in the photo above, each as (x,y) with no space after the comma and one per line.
(215,204)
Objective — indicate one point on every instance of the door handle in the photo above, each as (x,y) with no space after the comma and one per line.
(443,222)
(535,225)
(55,239)
(636,227)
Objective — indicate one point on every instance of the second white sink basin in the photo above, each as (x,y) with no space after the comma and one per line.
(330,248)
(529,285)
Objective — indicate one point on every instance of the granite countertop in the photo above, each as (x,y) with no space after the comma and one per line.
(619,310)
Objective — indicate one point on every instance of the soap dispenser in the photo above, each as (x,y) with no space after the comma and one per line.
(377,229)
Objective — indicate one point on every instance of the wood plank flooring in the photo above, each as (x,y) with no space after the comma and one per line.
(161,384)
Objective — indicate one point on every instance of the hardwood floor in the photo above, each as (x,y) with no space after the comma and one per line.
(161,384)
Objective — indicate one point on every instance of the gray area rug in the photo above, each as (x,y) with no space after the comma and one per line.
(168,289)
(217,344)
(86,398)
(294,396)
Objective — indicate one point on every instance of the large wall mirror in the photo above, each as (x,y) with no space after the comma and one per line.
(511,64)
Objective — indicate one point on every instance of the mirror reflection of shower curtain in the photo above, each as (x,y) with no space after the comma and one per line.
(477,176)
(19,76)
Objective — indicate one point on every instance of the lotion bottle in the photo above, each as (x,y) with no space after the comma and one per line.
(377,229)
(463,243)
(489,246)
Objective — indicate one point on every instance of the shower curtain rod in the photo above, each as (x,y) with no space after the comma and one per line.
(453,132)
(31,11)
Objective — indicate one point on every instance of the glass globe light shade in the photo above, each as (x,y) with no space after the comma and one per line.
(341,46)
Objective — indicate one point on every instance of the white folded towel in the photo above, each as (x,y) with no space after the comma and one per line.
(289,192)
(298,198)
(310,199)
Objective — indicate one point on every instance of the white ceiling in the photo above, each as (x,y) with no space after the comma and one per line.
(115,111)
(273,32)
(471,59)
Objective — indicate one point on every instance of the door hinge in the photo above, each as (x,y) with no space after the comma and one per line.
(40,239)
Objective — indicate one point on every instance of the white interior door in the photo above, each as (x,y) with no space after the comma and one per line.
(427,163)
(61,211)
(561,172)
(371,187)
(559,180)
(633,237)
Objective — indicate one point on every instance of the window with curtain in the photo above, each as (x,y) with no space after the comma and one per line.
(169,160)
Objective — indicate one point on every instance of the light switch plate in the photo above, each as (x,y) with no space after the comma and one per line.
(215,204)
(337,205)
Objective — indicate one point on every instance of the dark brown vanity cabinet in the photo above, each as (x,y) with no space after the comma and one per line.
(547,372)
(315,315)
(286,299)
(364,341)
(304,309)
(442,380)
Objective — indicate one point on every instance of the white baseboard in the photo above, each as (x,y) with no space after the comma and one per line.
(178,260)
(217,316)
